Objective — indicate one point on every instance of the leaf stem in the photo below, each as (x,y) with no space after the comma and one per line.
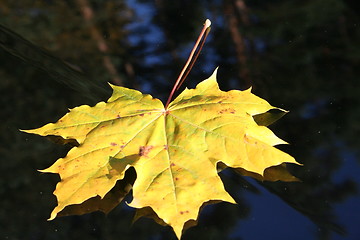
(194,59)
(205,30)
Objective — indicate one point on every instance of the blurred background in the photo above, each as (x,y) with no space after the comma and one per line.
(302,56)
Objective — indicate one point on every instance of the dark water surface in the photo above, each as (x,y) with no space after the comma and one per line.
(300,56)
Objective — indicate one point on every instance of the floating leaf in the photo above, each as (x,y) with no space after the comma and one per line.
(175,151)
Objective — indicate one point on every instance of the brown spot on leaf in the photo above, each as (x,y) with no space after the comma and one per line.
(172,164)
(144,150)
(118,116)
(227,110)
(141,114)
(176,178)
(219,102)
(113,144)
(166,147)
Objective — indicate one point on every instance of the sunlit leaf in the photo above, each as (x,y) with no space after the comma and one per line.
(174,151)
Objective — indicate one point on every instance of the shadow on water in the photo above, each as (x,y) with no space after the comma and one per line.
(31,97)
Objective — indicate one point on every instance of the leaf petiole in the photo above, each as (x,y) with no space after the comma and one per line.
(205,30)
(194,59)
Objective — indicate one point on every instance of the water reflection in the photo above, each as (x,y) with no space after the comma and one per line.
(305,65)
(59,70)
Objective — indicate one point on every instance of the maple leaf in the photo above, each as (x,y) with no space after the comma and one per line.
(174,150)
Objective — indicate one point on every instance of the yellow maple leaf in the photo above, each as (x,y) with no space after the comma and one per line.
(174,151)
